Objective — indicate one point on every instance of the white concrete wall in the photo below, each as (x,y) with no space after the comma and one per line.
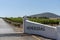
(46,31)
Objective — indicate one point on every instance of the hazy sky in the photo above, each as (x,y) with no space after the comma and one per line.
(28,7)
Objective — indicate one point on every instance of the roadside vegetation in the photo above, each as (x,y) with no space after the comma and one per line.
(18,21)
(42,20)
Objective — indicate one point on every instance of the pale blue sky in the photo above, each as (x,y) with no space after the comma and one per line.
(28,7)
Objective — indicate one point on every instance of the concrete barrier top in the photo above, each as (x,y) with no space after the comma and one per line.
(41,24)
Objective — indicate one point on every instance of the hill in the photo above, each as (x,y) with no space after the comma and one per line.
(46,14)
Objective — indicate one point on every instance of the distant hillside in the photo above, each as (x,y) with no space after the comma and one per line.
(46,14)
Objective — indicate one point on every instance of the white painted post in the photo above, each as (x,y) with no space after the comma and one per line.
(58,33)
(24,20)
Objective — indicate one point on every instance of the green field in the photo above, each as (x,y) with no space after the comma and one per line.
(39,20)
(45,21)
(17,20)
